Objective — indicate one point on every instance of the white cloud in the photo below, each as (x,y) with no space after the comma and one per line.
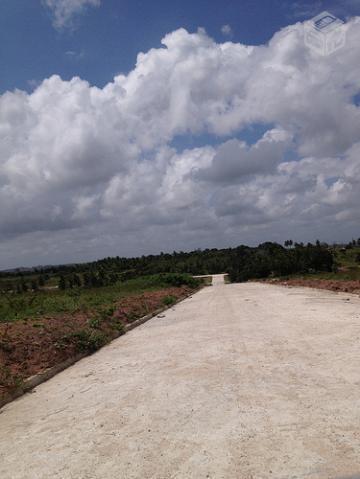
(305,9)
(226,30)
(73,55)
(65,10)
(95,168)
(235,160)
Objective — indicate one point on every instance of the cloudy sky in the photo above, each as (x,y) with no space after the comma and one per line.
(133,127)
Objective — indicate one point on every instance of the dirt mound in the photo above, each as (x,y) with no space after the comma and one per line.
(332,285)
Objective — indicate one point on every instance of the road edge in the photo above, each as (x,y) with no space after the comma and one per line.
(34,381)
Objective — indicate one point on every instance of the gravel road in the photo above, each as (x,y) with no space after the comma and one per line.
(245,381)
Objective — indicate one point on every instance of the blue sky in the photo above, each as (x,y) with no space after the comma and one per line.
(105,41)
(235,134)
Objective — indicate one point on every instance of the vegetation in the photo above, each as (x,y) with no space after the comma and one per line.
(86,341)
(272,260)
(207,280)
(40,328)
(346,267)
(169,300)
(242,263)
(32,304)
(51,313)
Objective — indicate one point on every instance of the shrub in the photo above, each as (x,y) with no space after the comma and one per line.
(168,300)
(94,323)
(101,316)
(119,326)
(86,341)
(178,279)
(9,379)
(271,259)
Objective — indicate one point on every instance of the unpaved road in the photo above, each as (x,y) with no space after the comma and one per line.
(241,381)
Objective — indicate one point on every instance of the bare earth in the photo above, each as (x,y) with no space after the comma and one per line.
(240,381)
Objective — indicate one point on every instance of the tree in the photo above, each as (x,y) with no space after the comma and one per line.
(76,280)
(62,283)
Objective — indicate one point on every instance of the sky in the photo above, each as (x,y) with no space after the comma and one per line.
(133,127)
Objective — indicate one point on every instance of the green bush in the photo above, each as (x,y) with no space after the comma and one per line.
(9,379)
(101,316)
(86,341)
(272,260)
(169,300)
(179,279)
(95,323)
(119,326)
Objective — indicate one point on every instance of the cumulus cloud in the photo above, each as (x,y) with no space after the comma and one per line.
(65,10)
(235,160)
(96,168)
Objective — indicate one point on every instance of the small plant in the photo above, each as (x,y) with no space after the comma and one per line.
(169,300)
(177,279)
(10,380)
(101,316)
(86,341)
(94,323)
(131,316)
(119,327)
(108,312)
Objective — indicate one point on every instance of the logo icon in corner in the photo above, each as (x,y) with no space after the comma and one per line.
(325,33)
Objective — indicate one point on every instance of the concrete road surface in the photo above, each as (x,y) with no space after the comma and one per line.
(240,381)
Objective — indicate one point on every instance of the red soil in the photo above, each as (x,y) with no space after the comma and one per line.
(30,346)
(332,285)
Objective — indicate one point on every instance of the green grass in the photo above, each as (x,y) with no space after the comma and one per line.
(348,268)
(169,300)
(86,341)
(348,257)
(34,305)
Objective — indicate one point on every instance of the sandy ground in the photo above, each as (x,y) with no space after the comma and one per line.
(240,381)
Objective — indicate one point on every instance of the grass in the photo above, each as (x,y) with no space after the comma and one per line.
(52,331)
(205,280)
(348,258)
(169,300)
(8,378)
(86,341)
(41,303)
(348,268)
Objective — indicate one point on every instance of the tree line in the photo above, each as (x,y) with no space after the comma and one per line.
(242,263)
(272,259)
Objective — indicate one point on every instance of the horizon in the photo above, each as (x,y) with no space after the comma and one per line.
(171,253)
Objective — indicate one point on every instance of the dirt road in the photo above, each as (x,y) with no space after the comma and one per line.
(240,381)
